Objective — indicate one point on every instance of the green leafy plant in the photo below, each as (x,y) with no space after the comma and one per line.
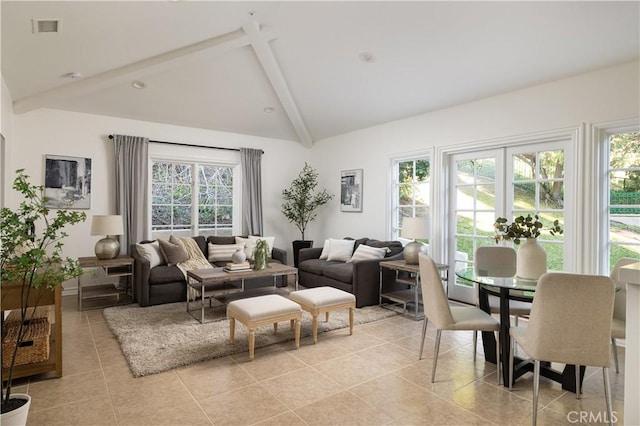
(522,228)
(300,200)
(32,260)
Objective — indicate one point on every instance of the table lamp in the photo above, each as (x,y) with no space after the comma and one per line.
(108,247)
(414,228)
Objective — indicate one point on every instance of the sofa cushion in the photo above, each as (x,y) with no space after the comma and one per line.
(338,271)
(313,266)
(164,274)
(340,250)
(395,247)
(223,252)
(151,252)
(221,240)
(202,244)
(172,251)
(366,252)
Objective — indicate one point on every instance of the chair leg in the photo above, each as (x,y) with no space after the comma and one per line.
(475,343)
(607,394)
(515,320)
(424,333)
(511,349)
(435,356)
(536,390)
(614,348)
(498,358)
(577,382)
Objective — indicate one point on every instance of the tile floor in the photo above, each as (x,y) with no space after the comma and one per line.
(373,377)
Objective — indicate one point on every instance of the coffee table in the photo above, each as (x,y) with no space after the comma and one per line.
(215,282)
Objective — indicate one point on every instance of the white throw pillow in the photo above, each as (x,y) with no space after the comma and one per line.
(250,244)
(340,250)
(223,252)
(364,252)
(248,249)
(151,252)
(325,250)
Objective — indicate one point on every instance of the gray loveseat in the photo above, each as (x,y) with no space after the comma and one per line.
(361,278)
(166,283)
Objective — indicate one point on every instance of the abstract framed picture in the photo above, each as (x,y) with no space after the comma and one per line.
(67,182)
(351,191)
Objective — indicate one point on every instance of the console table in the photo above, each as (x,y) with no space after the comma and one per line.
(121,266)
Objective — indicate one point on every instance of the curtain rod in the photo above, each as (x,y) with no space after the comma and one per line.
(193,146)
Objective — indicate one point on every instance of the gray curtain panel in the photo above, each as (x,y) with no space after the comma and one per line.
(132,165)
(251,161)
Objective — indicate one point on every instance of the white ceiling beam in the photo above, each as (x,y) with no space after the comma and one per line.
(138,70)
(260,45)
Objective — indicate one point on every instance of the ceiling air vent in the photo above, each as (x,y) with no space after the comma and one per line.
(45,25)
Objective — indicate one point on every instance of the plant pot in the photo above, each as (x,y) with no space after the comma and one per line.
(531,260)
(18,416)
(297,246)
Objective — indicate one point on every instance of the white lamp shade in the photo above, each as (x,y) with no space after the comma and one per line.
(415,228)
(107,225)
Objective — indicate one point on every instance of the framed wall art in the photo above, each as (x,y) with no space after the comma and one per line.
(351,191)
(67,182)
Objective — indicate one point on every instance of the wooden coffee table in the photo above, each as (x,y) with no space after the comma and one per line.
(215,283)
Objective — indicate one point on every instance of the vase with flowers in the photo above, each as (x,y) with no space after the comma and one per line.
(531,259)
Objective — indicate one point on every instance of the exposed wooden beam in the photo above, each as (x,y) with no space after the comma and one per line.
(260,45)
(138,70)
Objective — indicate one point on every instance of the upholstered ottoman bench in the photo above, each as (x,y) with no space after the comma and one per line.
(259,311)
(324,299)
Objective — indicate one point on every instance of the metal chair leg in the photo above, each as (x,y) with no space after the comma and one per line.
(475,343)
(511,349)
(435,356)
(536,390)
(498,357)
(607,394)
(424,333)
(614,348)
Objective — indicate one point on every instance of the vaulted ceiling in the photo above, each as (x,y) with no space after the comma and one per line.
(300,71)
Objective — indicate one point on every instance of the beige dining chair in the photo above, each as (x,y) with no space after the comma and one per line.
(446,317)
(619,325)
(570,323)
(498,261)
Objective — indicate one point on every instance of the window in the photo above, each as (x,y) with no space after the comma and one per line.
(624,196)
(411,191)
(191,199)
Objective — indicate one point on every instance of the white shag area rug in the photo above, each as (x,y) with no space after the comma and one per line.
(163,337)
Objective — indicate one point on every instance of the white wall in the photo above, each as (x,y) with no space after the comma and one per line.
(603,95)
(6,128)
(44,131)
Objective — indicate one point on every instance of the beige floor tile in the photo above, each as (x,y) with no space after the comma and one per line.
(314,354)
(67,389)
(244,406)
(385,330)
(269,363)
(388,356)
(79,359)
(301,387)
(287,419)
(187,413)
(210,378)
(351,370)
(351,343)
(92,411)
(441,412)
(343,408)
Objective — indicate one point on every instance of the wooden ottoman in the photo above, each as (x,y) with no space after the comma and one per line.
(259,311)
(324,299)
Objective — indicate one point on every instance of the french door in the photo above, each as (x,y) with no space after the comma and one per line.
(508,182)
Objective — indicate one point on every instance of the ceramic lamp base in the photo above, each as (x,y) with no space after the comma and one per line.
(107,248)
(411,252)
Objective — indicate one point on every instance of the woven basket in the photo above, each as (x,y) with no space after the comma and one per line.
(41,314)
(34,346)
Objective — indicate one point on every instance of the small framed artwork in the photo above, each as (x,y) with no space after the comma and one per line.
(67,182)
(351,191)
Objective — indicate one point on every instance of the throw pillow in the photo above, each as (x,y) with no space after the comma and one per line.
(340,250)
(151,252)
(325,250)
(270,241)
(248,248)
(173,252)
(364,252)
(223,252)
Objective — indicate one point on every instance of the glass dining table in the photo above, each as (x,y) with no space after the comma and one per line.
(507,289)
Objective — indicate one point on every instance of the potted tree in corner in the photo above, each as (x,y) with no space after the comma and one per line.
(31,265)
(300,204)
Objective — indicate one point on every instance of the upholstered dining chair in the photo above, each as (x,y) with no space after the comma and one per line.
(445,317)
(570,323)
(498,261)
(619,325)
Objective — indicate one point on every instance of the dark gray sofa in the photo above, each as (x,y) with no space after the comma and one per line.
(166,284)
(362,279)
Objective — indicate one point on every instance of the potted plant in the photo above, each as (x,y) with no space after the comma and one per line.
(33,262)
(300,204)
(531,258)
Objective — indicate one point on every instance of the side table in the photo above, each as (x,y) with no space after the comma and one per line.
(121,266)
(413,295)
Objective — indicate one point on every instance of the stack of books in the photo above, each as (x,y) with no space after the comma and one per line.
(237,267)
